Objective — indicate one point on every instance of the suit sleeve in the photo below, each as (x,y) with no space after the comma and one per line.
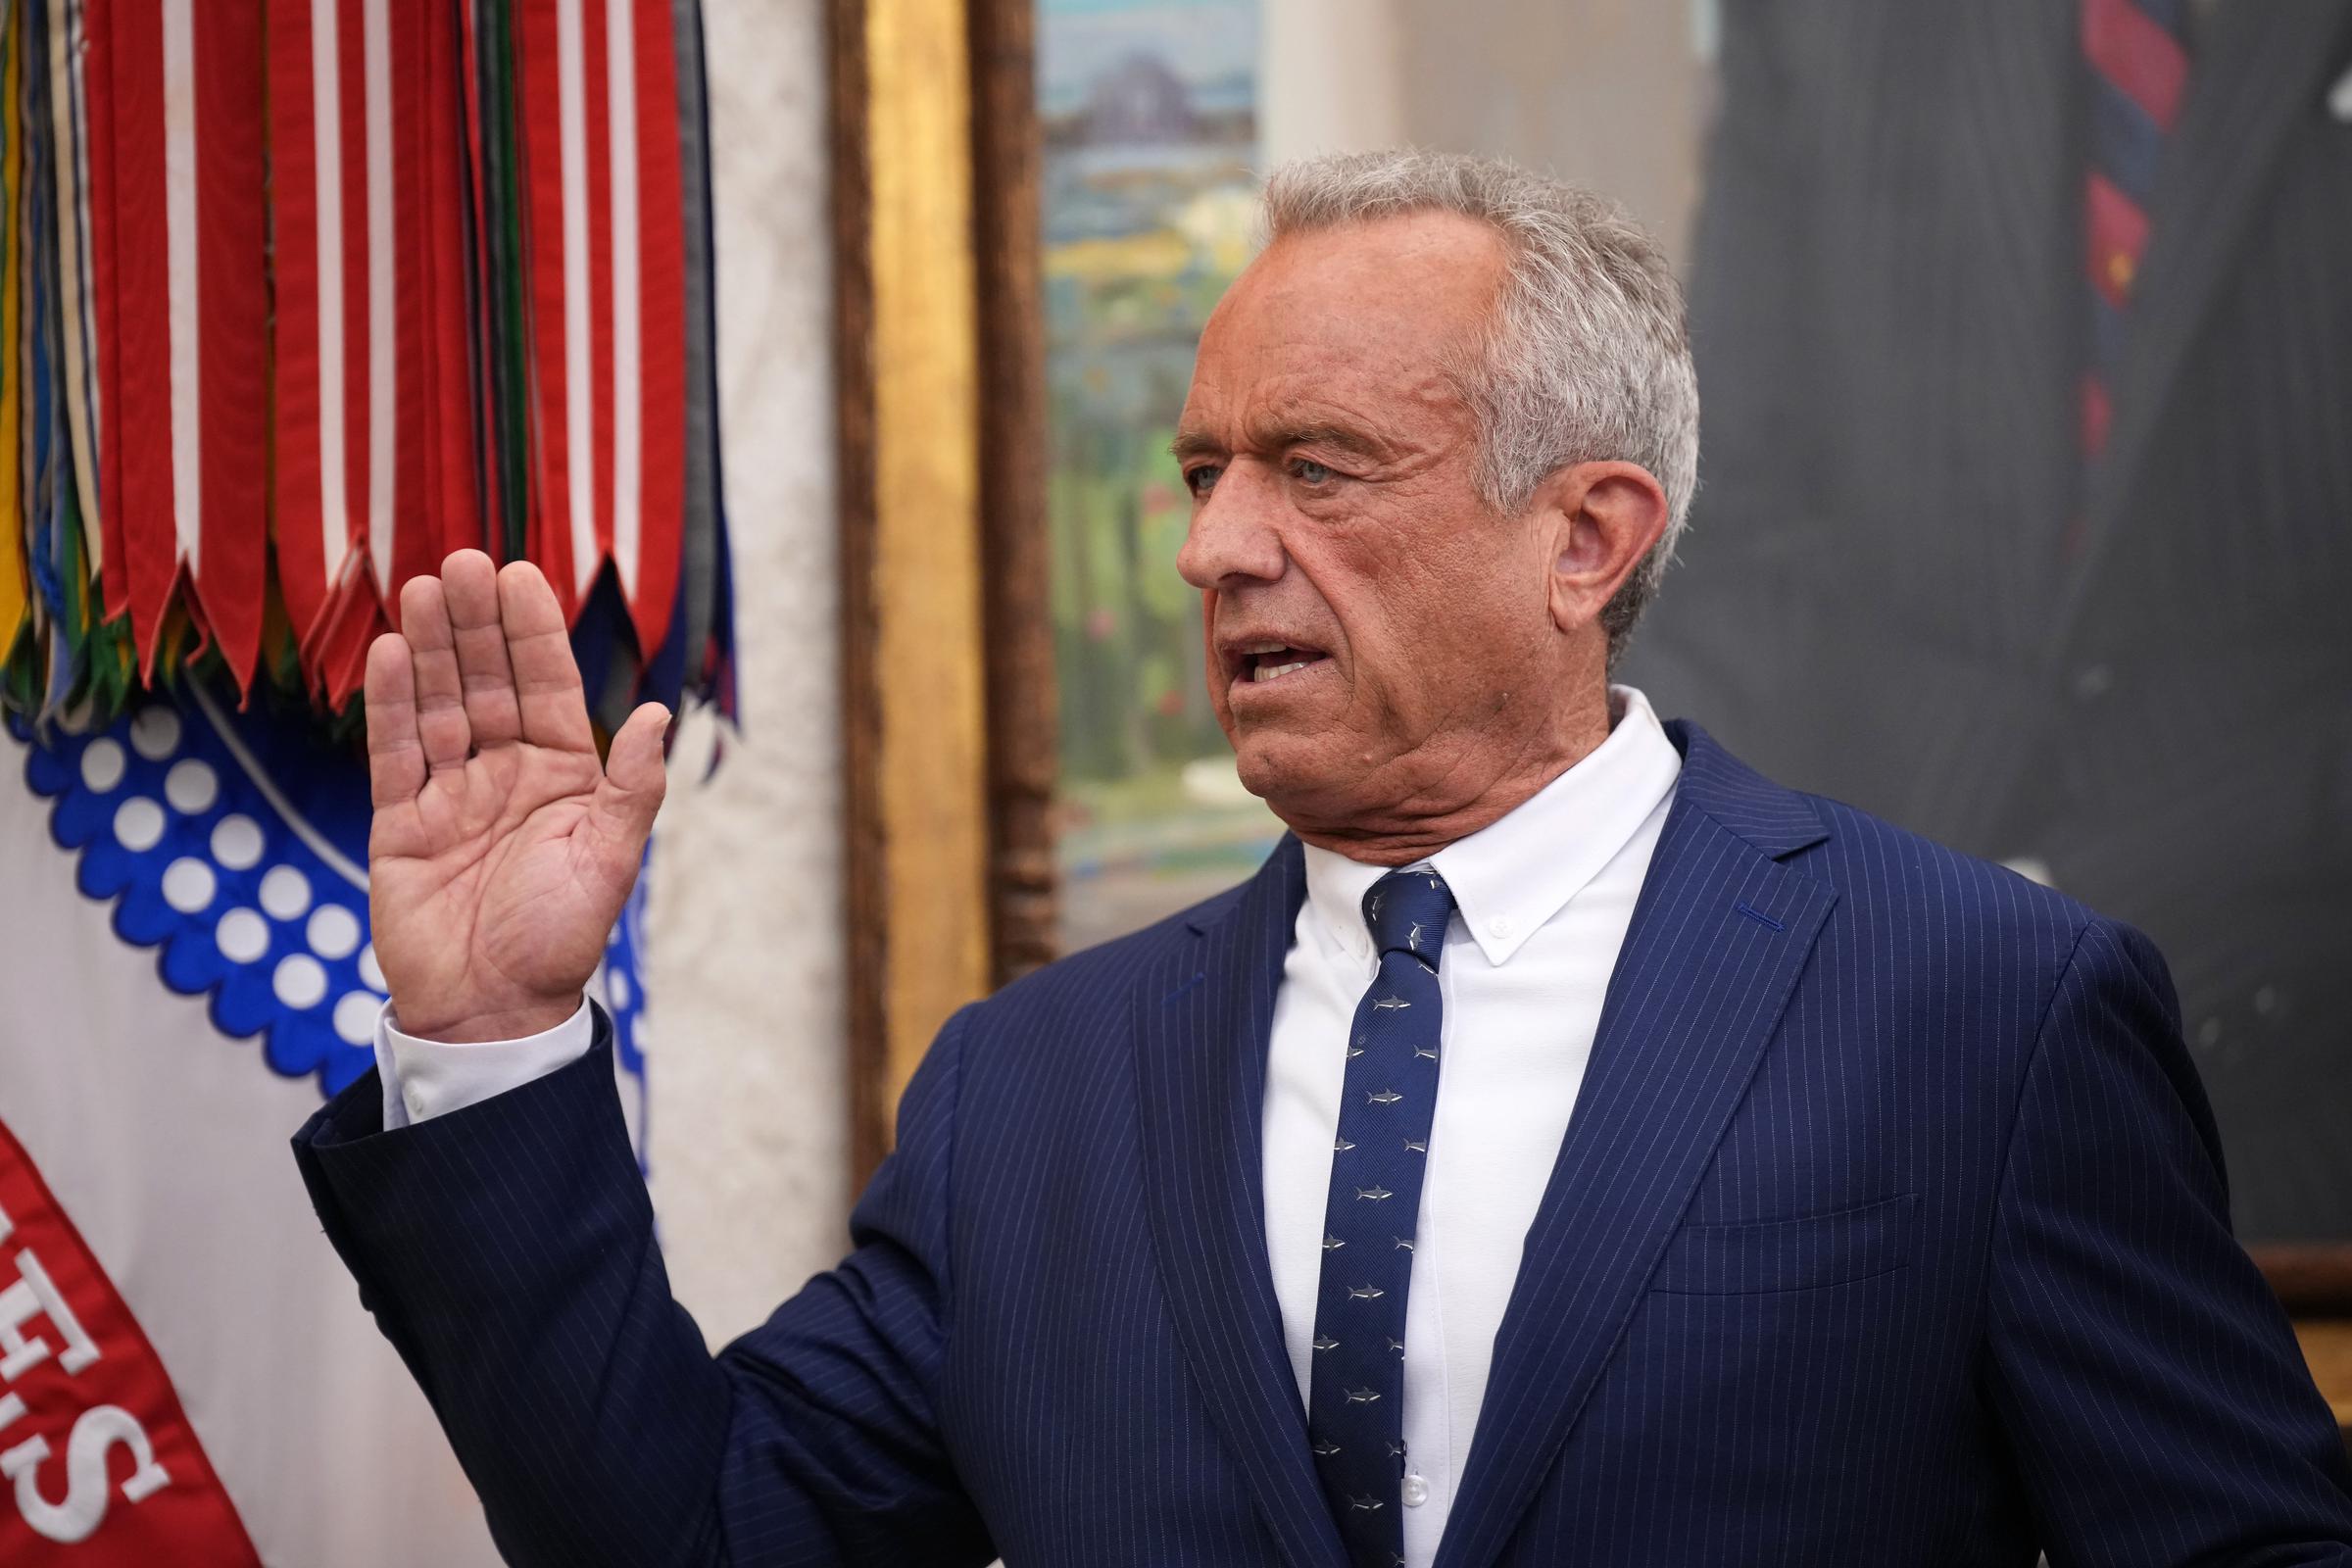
(2154,1397)
(508,1251)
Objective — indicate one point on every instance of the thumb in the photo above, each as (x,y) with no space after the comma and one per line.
(631,792)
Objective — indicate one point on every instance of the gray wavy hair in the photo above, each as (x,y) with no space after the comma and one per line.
(1586,357)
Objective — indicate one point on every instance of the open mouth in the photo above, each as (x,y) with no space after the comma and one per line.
(1261,663)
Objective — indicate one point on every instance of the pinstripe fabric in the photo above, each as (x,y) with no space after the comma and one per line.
(1889,1229)
(1888,319)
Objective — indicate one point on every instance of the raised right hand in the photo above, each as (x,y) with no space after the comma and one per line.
(501,850)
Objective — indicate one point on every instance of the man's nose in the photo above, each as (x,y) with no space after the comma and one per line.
(1233,539)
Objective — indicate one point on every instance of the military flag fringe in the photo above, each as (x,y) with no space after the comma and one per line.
(298,296)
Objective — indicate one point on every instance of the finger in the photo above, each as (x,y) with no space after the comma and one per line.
(470,588)
(395,756)
(433,655)
(547,683)
(630,796)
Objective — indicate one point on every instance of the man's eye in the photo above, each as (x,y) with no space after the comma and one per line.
(1308,471)
(1203,479)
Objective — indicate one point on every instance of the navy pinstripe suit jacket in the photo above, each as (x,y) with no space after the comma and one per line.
(1889,1229)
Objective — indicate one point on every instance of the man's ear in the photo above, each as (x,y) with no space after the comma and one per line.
(1604,518)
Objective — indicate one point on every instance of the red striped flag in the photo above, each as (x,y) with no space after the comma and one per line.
(69,131)
(599,101)
(98,98)
(374,468)
(191,316)
(330,94)
(453,499)
(337,273)
(648,550)
(313,526)
(552,153)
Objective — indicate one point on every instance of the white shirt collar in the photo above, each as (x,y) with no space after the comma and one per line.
(1515,873)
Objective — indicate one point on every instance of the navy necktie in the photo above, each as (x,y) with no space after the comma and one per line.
(1355,1400)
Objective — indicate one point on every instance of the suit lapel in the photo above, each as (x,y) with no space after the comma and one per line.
(2259,69)
(1719,936)
(1202,1017)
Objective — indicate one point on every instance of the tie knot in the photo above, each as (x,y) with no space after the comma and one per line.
(1407,912)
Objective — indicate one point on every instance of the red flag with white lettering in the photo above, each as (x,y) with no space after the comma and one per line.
(104,1468)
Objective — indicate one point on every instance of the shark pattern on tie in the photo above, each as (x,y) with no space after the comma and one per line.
(1356,1397)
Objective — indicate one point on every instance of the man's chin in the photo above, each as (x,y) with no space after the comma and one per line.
(1260,777)
(1291,772)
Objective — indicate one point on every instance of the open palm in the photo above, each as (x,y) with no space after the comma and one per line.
(501,850)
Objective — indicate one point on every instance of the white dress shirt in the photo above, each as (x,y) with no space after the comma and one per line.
(428,1078)
(1542,899)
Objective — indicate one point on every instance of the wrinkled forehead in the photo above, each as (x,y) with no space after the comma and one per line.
(1365,314)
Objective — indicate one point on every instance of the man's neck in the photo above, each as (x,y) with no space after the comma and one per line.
(1418,828)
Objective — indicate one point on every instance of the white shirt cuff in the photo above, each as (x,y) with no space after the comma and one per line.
(428,1078)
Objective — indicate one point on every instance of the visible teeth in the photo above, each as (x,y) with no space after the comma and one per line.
(1274,672)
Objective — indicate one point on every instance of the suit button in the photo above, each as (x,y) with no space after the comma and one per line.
(2093,682)
(1416,1491)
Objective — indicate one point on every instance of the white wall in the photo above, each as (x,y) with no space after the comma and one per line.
(1608,92)
(746,1058)
(1330,77)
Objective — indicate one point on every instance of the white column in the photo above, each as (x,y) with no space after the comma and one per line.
(1329,77)
(748,1086)
(1609,92)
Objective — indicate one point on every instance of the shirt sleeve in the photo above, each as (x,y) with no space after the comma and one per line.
(428,1078)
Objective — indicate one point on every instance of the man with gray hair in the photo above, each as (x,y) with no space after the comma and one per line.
(1569,1146)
